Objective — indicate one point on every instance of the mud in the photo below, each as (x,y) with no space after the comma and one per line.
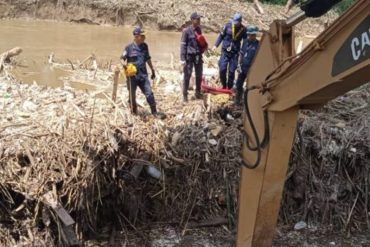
(154,14)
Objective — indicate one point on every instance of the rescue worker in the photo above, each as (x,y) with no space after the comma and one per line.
(247,54)
(193,45)
(137,54)
(231,36)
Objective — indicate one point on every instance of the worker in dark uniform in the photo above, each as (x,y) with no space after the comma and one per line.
(231,36)
(247,54)
(137,53)
(191,56)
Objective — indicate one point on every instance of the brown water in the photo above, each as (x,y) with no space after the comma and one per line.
(76,42)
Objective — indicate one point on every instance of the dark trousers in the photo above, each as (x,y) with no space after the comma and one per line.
(227,65)
(141,81)
(196,62)
(240,81)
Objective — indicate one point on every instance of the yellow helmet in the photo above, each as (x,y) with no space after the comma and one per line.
(130,70)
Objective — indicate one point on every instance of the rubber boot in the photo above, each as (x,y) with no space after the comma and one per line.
(157,114)
(185,98)
(153,109)
(198,95)
(238,98)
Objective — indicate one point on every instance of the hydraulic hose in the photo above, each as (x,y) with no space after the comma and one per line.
(259,145)
(266,135)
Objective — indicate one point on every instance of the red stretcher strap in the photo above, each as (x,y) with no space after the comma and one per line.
(214,90)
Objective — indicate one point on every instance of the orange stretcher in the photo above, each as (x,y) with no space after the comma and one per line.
(214,90)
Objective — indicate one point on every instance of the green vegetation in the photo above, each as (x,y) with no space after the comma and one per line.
(343,6)
(279,2)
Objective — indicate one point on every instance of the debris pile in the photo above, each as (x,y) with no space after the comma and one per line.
(72,163)
(76,164)
(328,181)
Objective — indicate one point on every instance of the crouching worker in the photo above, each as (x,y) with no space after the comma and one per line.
(247,53)
(134,59)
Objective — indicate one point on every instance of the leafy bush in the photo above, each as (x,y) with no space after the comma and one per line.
(343,6)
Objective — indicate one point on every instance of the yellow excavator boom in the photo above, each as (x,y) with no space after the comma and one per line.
(280,83)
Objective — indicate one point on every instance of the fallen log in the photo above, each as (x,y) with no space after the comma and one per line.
(5,57)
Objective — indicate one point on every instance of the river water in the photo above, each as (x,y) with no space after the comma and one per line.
(73,41)
(39,38)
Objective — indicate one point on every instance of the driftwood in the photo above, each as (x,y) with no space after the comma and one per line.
(68,234)
(5,57)
(98,174)
(258,6)
(51,58)
(115,84)
(89,58)
(289,5)
(70,62)
(260,10)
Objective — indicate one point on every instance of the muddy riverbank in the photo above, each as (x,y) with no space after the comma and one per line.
(154,14)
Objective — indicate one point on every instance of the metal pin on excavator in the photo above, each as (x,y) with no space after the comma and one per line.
(279,84)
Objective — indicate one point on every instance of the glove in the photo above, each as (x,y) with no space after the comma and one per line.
(239,69)
(153,75)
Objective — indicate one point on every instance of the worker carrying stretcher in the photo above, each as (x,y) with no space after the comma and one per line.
(193,45)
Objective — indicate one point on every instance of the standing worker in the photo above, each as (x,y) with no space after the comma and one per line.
(247,54)
(193,44)
(231,36)
(136,55)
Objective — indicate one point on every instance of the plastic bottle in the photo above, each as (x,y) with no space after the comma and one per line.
(153,171)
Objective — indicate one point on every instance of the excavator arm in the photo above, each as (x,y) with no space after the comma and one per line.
(279,84)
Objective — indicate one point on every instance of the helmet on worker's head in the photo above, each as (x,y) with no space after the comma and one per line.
(138,31)
(237,18)
(195,16)
(252,30)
